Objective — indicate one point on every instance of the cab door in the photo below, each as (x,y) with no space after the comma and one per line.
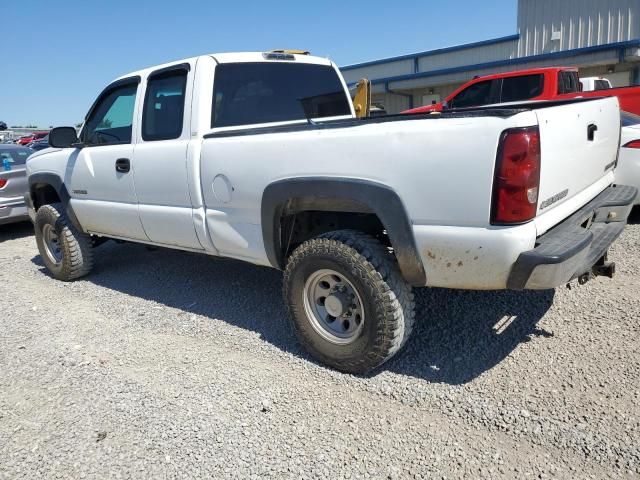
(161,173)
(99,173)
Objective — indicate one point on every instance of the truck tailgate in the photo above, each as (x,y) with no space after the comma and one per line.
(579,146)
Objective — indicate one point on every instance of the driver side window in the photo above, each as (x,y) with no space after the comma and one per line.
(110,122)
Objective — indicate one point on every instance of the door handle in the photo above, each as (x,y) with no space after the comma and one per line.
(123,165)
(592,128)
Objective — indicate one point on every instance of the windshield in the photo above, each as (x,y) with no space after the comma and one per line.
(629,119)
(10,157)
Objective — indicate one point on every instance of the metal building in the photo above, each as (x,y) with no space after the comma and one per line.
(600,37)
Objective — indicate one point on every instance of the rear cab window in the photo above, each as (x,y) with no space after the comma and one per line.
(267,92)
(568,82)
(163,113)
(522,87)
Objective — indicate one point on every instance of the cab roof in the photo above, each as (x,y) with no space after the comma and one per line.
(528,71)
(235,57)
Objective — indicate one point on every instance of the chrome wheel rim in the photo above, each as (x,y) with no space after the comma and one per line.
(333,306)
(52,246)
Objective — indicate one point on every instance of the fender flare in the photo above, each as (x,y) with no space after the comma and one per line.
(346,194)
(53,180)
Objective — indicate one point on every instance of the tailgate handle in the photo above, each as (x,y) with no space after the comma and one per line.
(591,131)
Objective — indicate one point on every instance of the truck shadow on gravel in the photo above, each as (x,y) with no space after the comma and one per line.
(14,231)
(458,334)
(461,334)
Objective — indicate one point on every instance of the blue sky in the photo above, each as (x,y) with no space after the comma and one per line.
(62,53)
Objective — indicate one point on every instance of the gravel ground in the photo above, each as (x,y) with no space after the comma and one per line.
(172,365)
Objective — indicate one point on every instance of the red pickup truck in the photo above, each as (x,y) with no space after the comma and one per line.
(551,83)
(27,139)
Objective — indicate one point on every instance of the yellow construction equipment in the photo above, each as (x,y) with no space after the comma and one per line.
(362,98)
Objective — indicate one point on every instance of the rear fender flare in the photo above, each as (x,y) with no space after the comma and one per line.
(347,194)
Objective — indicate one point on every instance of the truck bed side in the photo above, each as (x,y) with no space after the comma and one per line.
(629,97)
(443,167)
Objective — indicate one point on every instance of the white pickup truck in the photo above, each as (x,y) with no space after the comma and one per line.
(589,84)
(259,157)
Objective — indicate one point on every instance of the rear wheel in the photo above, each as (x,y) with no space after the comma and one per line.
(65,251)
(347,301)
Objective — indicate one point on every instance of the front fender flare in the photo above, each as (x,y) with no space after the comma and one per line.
(362,195)
(52,179)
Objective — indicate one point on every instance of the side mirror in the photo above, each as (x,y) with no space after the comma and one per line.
(63,137)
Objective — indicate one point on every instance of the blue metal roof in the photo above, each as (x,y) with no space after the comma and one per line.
(437,51)
(511,61)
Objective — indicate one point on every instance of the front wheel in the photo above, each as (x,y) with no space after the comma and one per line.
(65,251)
(348,303)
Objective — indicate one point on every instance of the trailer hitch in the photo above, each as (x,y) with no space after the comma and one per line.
(604,269)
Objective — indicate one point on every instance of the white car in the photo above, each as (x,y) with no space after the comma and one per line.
(595,83)
(628,170)
(259,157)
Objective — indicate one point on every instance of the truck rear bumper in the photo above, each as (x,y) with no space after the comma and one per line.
(572,248)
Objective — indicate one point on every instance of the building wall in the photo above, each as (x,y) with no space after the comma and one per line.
(544,27)
(469,56)
(448,57)
(577,23)
(392,103)
(382,70)
(597,58)
(620,78)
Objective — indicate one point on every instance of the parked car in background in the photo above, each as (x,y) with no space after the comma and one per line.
(551,83)
(35,136)
(595,83)
(13,183)
(628,170)
(40,144)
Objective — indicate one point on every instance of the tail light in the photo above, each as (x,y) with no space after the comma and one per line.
(632,144)
(3,182)
(517,176)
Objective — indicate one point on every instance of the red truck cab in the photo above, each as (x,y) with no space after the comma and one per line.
(550,83)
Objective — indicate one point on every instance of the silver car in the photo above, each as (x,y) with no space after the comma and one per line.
(13,183)
(628,170)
